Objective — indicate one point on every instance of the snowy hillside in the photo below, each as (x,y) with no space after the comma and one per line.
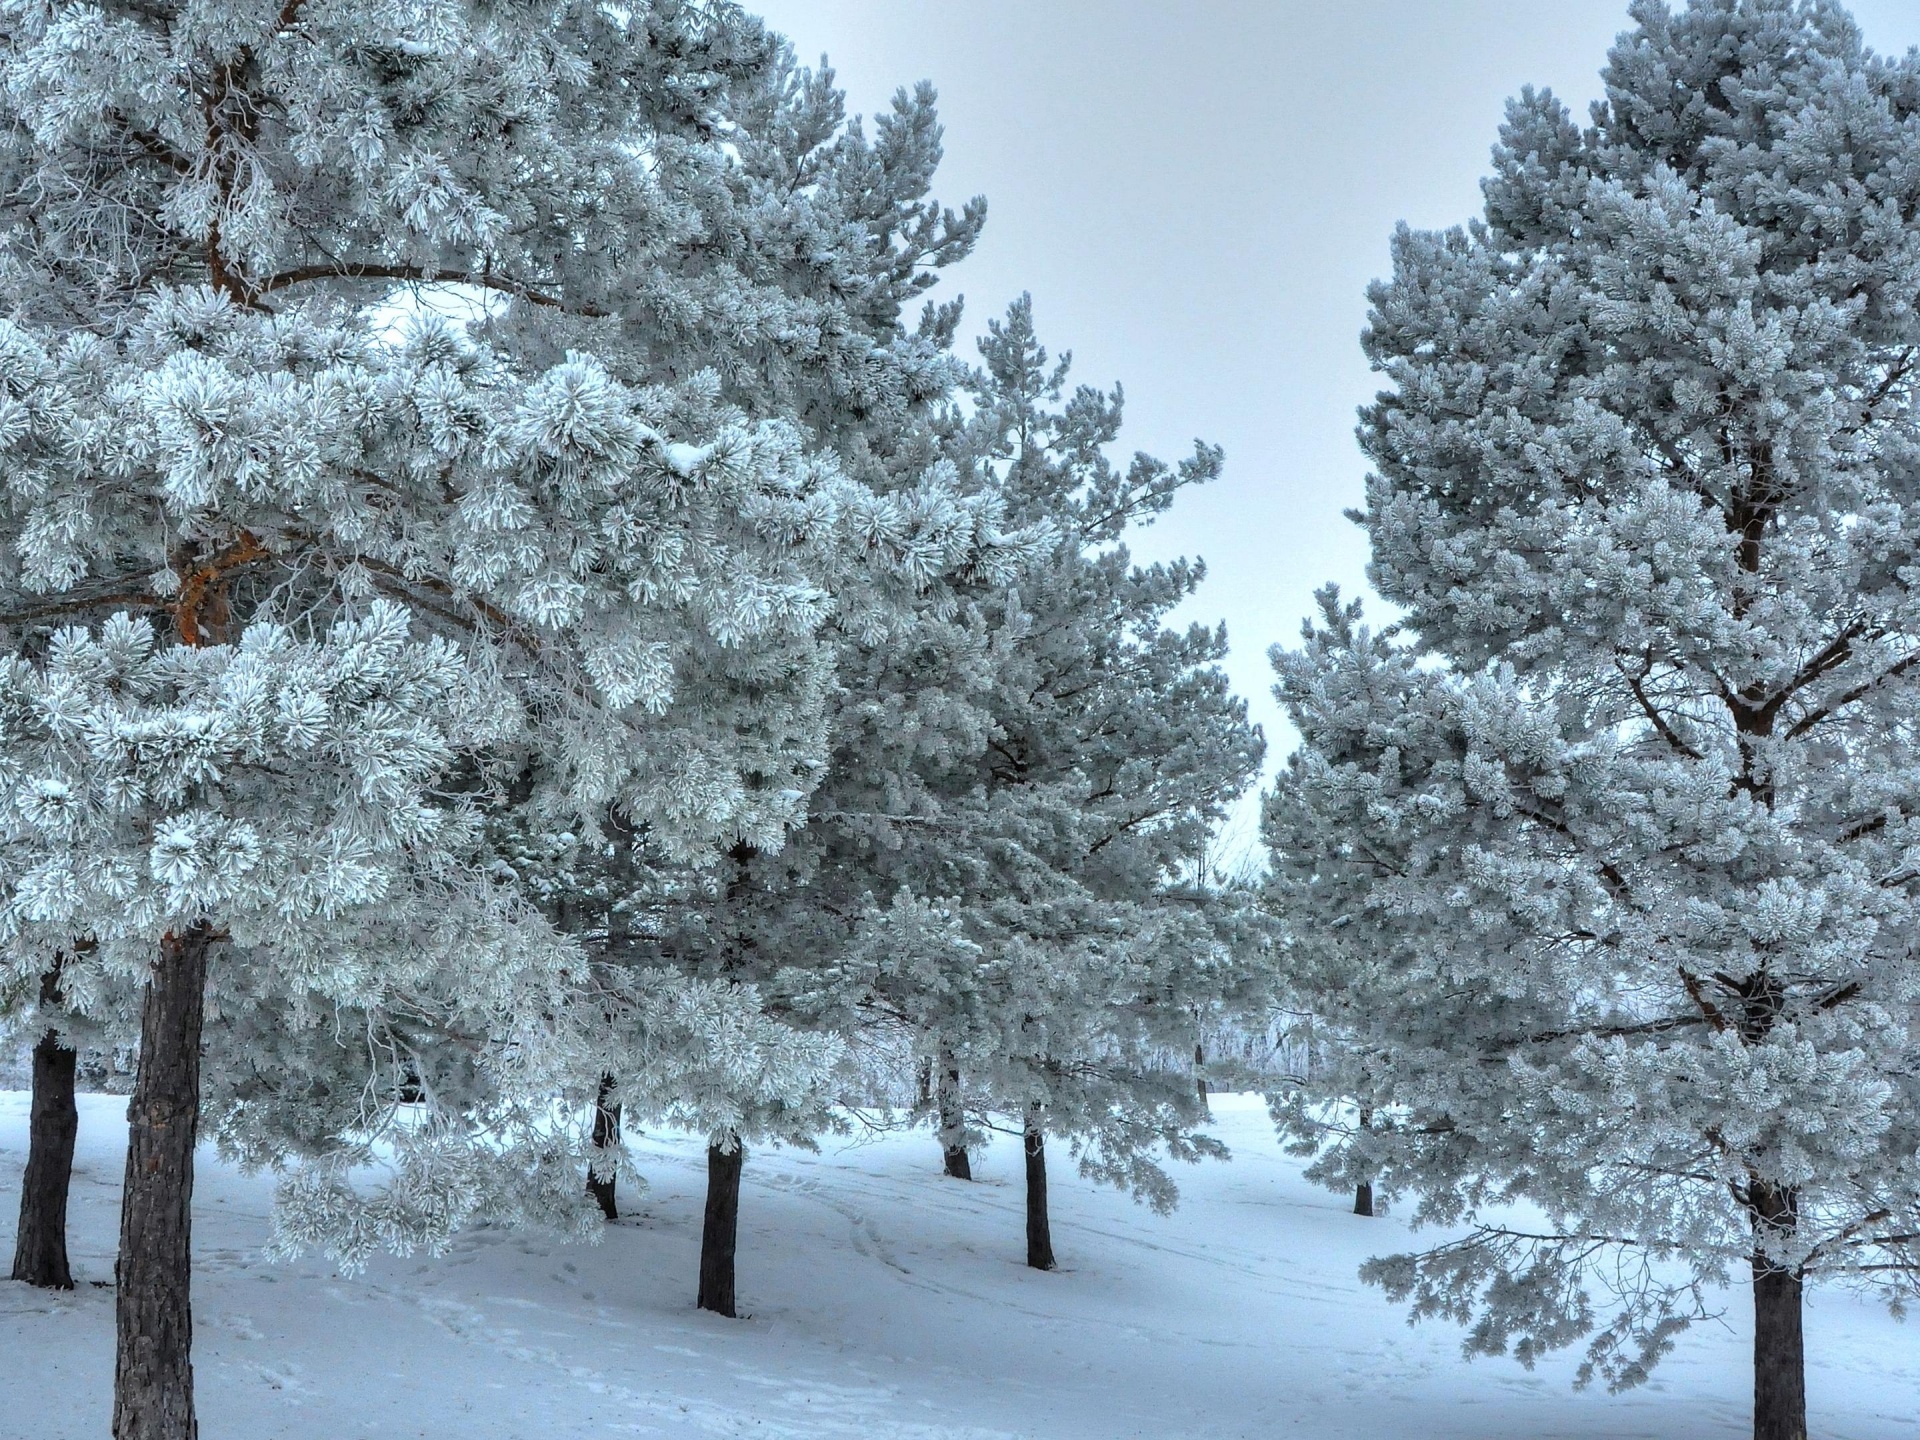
(884,1301)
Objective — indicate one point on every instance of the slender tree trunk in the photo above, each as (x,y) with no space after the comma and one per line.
(720,1235)
(1779,1346)
(953,1122)
(606,1134)
(1200,1072)
(153,1357)
(1039,1231)
(1363,1192)
(40,1245)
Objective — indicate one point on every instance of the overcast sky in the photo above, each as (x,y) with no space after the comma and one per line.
(1197,192)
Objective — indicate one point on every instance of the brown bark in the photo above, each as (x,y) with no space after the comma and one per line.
(40,1244)
(153,1361)
(606,1134)
(1039,1230)
(953,1123)
(1200,1072)
(719,1236)
(1779,1344)
(1363,1192)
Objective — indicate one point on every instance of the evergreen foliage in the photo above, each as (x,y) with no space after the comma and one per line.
(1038,928)
(1607,847)
(308,583)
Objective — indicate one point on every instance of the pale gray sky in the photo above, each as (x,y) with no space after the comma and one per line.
(1197,193)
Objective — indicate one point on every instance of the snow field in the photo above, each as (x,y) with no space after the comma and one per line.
(884,1301)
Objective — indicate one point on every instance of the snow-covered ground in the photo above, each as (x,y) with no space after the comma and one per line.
(886,1302)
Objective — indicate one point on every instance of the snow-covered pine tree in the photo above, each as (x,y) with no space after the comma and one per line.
(684,956)
(800,242)
(294,587)
(1627,831)
(1028,922)
(1118,749)
(766,908)
(824,237)
(775,921)
(1321,982)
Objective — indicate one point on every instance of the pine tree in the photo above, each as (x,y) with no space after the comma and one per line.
(1622,820)
(1117,750)
(303,580)
(1021,819)
(824,236)
(760,1070)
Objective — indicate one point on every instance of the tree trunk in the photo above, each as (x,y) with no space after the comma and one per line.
(606,1134)
(1039,1232)
(720,1235)
(153,1360)
(40,1245)
(1779,1346)
(1363,1192)
(1199,1072)
(953,1122)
